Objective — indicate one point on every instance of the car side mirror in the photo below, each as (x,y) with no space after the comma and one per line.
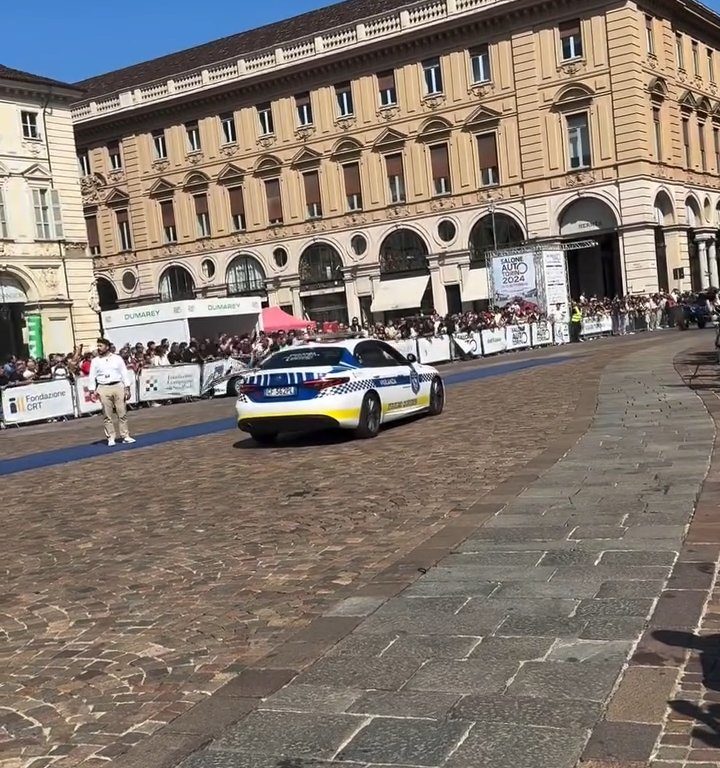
(411,358)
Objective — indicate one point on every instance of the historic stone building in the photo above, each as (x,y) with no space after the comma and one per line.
(363,158)
(46,273)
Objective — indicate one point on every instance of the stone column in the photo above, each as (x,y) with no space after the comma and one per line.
(438,290)
(297,302)
(351,294)
(712,259)
(703,259)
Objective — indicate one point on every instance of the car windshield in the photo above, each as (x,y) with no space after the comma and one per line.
(302,357)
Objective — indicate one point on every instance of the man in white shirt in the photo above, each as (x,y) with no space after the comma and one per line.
(111,381)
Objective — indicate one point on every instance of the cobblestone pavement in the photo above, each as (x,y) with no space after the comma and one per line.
(138,583)
(508,652)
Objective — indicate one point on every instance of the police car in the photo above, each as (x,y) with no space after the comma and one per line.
(356,384)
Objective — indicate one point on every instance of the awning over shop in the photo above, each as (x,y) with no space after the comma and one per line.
(474,285)
(403,293)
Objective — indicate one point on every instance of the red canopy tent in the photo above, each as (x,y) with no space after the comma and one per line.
(275,319)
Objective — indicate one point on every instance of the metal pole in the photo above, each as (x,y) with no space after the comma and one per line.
(494,233)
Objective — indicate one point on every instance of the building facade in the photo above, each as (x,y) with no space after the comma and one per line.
(345,164)
(46,271)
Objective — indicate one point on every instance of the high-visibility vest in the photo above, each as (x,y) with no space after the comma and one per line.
(576,316)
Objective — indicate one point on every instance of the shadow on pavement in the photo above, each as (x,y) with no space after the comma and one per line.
(707,648)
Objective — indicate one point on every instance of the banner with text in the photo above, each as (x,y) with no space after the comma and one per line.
(541,334)
(517,336)
(85,401)
(40,401)
(561,333)
(468,343)
(513,277)
(595,326)
(169,383)
(493,341)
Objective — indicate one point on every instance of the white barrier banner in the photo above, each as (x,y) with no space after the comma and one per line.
(38,402)
(561,333)
(220,370)
(541,334)
(85,401)
(593,326)
(405,346)
(169,382)
(517,336)
(493,341)
(435,349)
(468,343)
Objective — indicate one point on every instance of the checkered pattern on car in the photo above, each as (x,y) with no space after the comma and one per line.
(357,385)
(427,376)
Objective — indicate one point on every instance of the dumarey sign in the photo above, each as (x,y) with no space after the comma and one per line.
(180,310)
(513,277)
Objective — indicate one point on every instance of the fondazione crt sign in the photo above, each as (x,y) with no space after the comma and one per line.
(514,278)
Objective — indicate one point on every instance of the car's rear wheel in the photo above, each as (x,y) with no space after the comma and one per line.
(437,397)
(234,385)
(370,417)
(263,438)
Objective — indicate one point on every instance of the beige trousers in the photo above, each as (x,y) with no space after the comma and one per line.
(112,398)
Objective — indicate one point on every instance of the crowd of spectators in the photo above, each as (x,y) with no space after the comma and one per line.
(628,313)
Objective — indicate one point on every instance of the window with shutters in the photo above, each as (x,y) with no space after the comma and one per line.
(91,224)
(657,133)
(237,208)
(701,145)
(159,145)
(440,164)
(167,214)
(202,215)
(122,219)
(578,137)
(571,40)
(303,109)
(433,77)
(84,163)
(274,201)
(265,119)
(480,64)
(344,99)
(650,35)
(386,89)
(115,155)
(680,50)
(311,184)
(192,134)
(48,215)
(3,217)
(229,131)
(686,141)
(30,127)
(395,177)
(353,190)
(488,160)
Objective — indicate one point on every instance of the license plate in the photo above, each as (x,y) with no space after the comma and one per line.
(279,391)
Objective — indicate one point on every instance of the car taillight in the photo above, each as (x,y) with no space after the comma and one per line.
(319,384)
(248,389)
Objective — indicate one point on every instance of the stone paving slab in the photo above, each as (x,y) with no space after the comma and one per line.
(512,699)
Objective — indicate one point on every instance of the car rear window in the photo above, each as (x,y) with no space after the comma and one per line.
(300,357)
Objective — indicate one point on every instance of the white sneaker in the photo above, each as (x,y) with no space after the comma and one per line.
(128,440)
(111,442)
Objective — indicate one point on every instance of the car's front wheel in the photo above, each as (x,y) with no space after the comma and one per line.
(370,417)
(263,438)
(437,397)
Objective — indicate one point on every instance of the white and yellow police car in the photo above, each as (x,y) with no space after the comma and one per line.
(356,384)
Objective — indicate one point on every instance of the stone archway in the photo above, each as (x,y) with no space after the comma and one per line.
(490,232)
(322,284)
(594,267)
(176,284)
(13,298)
(245,277)
(107,295)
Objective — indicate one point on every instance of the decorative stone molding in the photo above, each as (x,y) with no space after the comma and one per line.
(398,211)
(579,179)
(572,67)
(194,158)
(241,238)
(652,61)
(161,164)
(442,203)
(346,123)
(266,141)
(490,194)
(355,219)
(481,90)
(228,150)
(116,176)
(32,147)
(91,188)
(304,132)
(388,113)
(434,102)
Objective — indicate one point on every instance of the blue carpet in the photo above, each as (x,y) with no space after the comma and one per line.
(53,458)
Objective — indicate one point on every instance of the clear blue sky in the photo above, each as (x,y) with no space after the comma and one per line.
(74,39)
